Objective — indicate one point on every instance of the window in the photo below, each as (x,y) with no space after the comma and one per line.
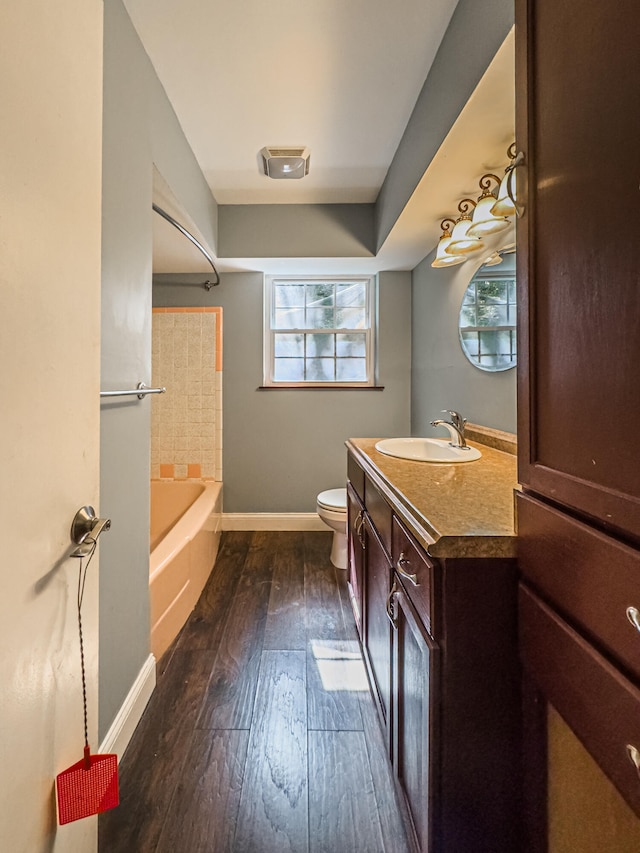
(488,317)
(319,331)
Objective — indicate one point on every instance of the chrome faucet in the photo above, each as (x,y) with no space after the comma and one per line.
(455,426)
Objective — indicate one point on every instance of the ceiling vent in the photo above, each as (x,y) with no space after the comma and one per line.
(279,162)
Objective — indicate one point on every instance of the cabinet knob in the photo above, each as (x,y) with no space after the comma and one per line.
(634,756)
(401,567)
(633,615)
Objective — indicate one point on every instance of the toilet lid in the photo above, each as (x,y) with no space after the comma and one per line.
(335,499)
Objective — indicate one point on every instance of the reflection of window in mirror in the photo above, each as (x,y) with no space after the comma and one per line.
(487,322)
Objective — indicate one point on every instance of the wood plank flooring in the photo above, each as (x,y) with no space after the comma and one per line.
(261,735)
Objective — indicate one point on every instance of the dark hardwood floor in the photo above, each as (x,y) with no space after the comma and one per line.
(261,735)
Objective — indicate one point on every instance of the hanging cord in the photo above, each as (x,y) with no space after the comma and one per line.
(82,577)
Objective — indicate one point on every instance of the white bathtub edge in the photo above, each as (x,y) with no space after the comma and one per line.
(124,724)
(272,521)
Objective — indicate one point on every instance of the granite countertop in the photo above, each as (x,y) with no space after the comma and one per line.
(460,510)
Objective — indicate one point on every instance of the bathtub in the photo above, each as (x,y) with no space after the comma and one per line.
(184,537)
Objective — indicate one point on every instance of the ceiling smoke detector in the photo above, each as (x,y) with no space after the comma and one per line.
(285,162)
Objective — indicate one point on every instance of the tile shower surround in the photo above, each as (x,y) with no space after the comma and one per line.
(186,422)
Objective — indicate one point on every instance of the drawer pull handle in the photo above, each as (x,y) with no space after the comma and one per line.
(634,756)
(359,525)
(391,616)
(400,568)
(633,615)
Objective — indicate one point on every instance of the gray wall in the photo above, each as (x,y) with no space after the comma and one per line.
(281,447)
(296,231)
(139,128)
(441,375)
(475,32)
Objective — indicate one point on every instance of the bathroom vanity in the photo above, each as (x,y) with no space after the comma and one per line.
(433,583)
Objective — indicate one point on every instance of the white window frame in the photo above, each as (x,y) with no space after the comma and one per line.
(269,331)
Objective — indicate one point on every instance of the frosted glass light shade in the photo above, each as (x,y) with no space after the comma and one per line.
(442,259)
(504,206)
(461,243)
(493,260)
(484,221)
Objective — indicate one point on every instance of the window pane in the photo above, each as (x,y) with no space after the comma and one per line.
(320,345)
(289,318)
(504,343)
(287,295)
(288,369)
(319,318)
(320,370)
(353,345)
(488,343)
(468,315)
(351,295)
(319,294)
(351,369)
(350,318)
(288,345)
(470,341)
(491,313)
(494,291)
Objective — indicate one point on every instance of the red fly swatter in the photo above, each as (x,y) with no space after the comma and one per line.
(91,785)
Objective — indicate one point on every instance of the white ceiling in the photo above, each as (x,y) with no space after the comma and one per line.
(339,76)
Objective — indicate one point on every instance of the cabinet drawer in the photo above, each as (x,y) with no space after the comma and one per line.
(591,578)
(598,703)
(355,475)
(379,512)
(415,571)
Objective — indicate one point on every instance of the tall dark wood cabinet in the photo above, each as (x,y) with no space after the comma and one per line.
(578,125)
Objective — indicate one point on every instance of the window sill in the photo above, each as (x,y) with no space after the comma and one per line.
(311,387)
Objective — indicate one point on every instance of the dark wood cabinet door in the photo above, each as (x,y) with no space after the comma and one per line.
(415,664)
(377,627)
(577,73)
(355,515)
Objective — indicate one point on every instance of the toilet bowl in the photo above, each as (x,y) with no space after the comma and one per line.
(331,506)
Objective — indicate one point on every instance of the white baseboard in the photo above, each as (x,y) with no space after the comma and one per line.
(272,521)
(119,734)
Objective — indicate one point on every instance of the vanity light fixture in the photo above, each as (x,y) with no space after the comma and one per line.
(484,220)
(462,243)
(442,259)
(489,217)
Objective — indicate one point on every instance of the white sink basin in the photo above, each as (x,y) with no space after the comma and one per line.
(426,450)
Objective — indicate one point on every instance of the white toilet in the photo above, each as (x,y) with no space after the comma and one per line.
(331,506)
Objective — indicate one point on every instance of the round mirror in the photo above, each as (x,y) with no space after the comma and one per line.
(487,322)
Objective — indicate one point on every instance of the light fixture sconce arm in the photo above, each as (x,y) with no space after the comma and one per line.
(485,182)
(447,224)
(463,205)
(518,160)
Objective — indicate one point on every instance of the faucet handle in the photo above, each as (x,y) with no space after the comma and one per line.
(456,419)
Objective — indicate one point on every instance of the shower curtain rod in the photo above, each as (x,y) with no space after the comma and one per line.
(208,284)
